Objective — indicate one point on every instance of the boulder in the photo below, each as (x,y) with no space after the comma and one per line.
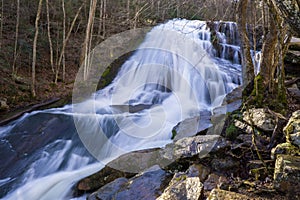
(292,129)
(183,187)
(287,175)
(109,190)
(243,127)
(260,118)
(198,170)
(99,179)
(136,161)
(214,181)
(191,126)
(217,194)
(146,185)
(188,147)
(224,164)
(218,122)
(234,95)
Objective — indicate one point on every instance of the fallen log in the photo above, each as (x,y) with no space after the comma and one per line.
(26,110)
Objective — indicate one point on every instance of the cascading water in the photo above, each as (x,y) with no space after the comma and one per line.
(173,75)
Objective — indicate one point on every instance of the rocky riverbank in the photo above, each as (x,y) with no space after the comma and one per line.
(243,154)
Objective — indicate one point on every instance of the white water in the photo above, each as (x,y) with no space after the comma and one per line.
(174,71)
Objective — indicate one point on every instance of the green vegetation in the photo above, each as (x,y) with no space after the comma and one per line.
(231,132)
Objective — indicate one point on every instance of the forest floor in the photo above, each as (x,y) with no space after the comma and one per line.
(15,90)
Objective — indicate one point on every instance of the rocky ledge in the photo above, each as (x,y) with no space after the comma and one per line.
(250,154)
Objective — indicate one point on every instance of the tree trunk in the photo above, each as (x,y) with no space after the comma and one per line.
(289,10)
(247,64)
(63,39)
(49,37)
(88,34)
(66,40)
(33,93)
(1,23)
(16,38)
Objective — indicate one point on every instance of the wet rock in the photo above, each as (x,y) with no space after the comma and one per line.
(285,148)
(287,175)
(126,165)
(218,122)
(198,170)
(99,179)
(260,118)
(224,164)
(146,185)
(190,127)
(109,190)
(136,161)
(3,104)
(234,95)
(188,147)
(218,194)
(181,187)
(227,107)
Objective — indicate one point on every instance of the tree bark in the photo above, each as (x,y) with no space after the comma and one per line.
(64,38)
(16,38)
(88,34)
(33,93)
(247,64)
(49,37)
(289,10)
(1,23)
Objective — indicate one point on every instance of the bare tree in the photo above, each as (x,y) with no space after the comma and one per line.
(38,14)
(289,10)
(64,38)
(248,68)
(16,38)
(1,23)
(60,58)
(88,35)
(49,37)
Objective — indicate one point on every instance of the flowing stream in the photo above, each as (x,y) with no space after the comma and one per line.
(175,74)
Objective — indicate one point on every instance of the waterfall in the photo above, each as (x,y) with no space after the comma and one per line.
(173,75)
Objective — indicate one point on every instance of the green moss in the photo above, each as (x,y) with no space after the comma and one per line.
(231,132)
(258,91)
(174,133)
(106,72)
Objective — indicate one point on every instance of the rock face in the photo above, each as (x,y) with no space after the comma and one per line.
(191,146)
(146,185)
(99,179)
(136,161)
(183,187)
(109,190)
(260,118)
(287,175)
(190,127)
(218,194)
